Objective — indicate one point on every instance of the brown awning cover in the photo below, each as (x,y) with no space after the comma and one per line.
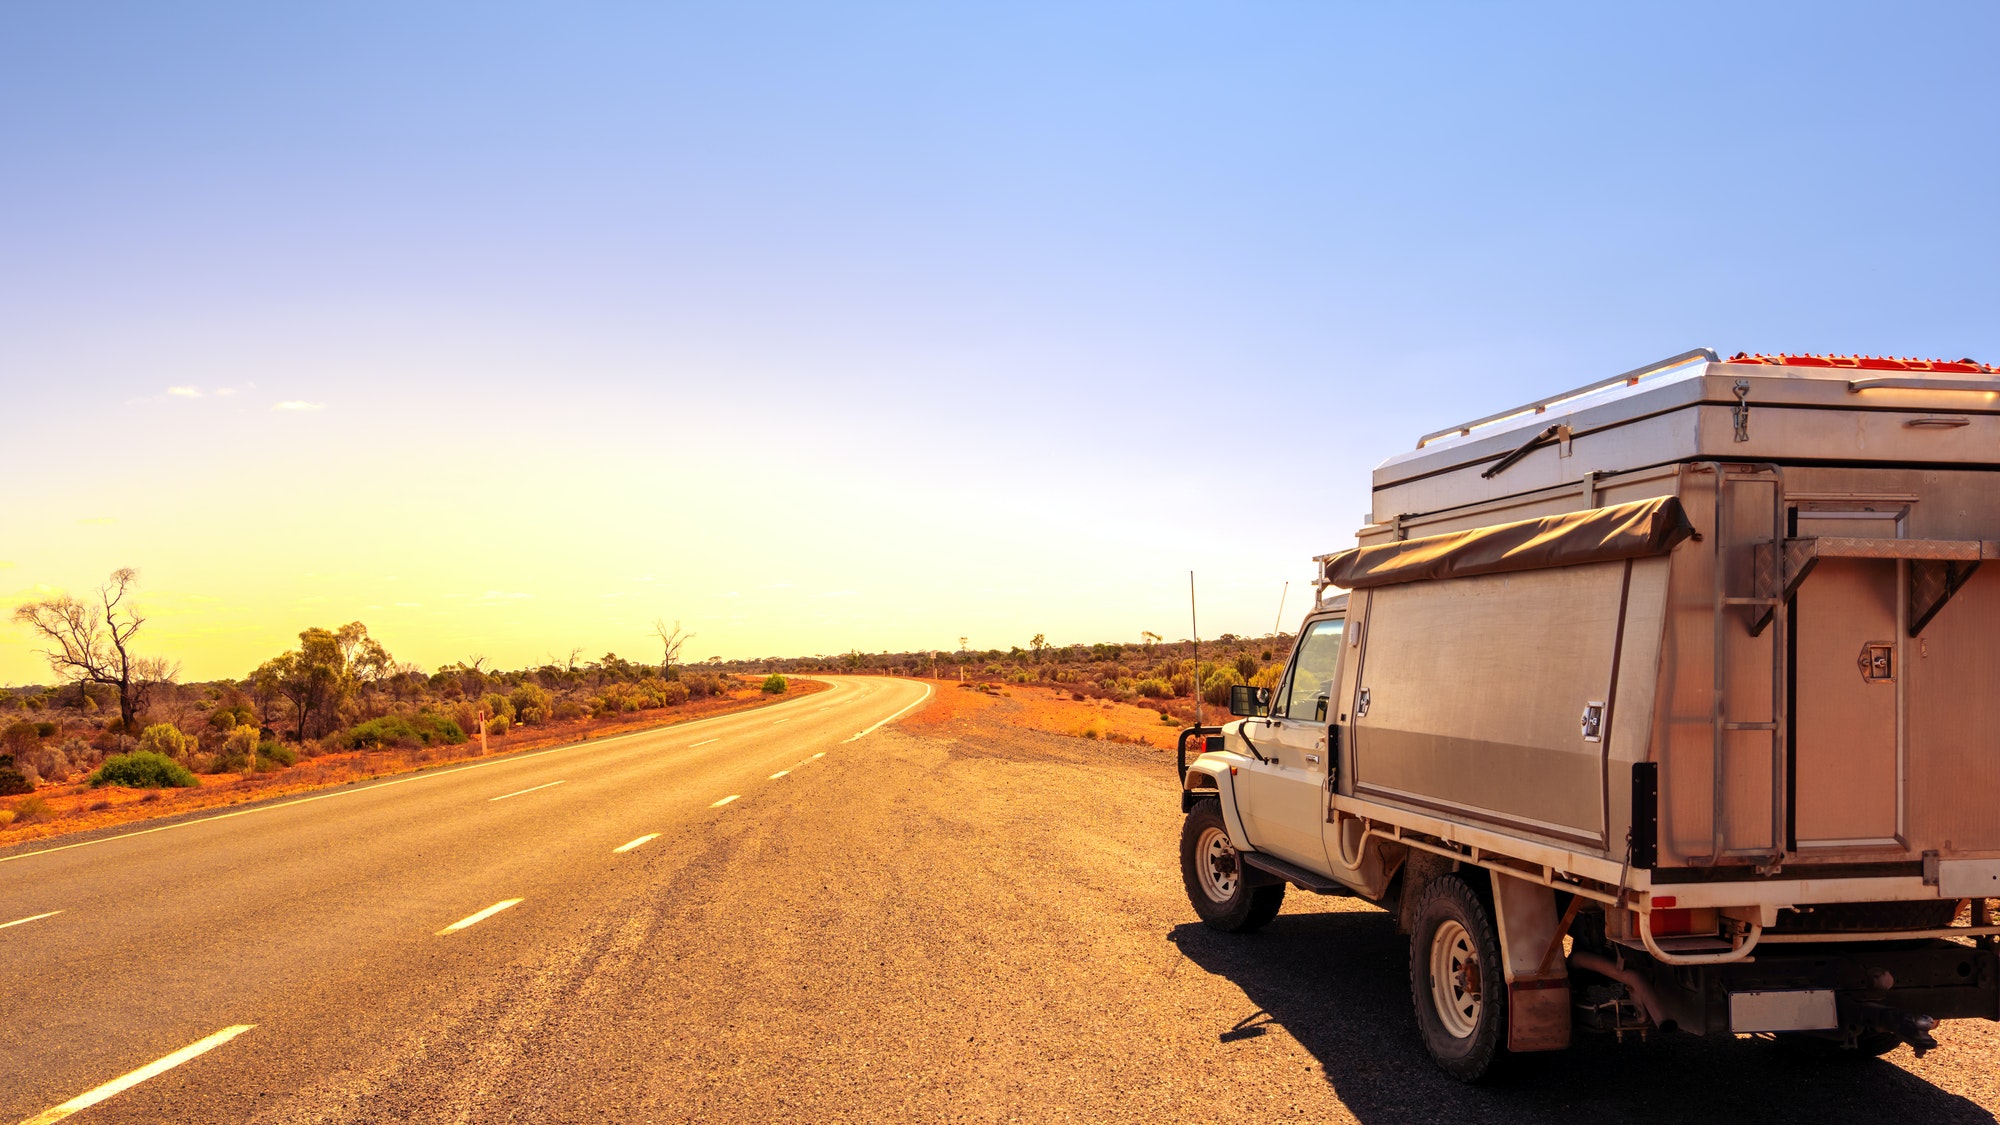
(1624,531)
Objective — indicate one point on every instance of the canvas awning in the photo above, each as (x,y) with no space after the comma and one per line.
(1623,531)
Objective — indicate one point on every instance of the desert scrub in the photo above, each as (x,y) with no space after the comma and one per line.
(774,684)
(405,732)
(12,780)
(143,769)
(31,810)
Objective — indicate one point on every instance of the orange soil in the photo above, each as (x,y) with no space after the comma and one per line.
(71,807)
(1051,710)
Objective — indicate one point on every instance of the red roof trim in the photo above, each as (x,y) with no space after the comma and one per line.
(1870,363)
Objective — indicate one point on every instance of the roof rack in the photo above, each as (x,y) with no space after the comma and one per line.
(1542,404)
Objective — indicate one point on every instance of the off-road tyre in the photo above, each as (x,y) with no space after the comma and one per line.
(1216,881)
(1463,1019)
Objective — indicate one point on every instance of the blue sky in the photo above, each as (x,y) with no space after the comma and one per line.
(832,326)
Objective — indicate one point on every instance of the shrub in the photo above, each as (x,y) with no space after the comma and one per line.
(1153,687)
(12,780)
(498,707)
(402,731)
(531,703)
(567,709)
(1246,666)
(166,740)
(498,724)
(33,809)
(675,693)
(1216,690)
(143,769)
(774,684)
(277,753)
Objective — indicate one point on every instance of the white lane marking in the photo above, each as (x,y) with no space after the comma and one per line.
(778,775)
(725,800)
(475,919)
(821,754)
(529,789)
(775,722)
(428,775)
(623,848)
(29,918)
(125,1082)
(704,742)
(897,715)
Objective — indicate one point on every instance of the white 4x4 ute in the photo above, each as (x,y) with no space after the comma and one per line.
(1663,703)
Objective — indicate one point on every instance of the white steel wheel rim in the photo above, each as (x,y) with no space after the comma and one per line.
(1455,979)
(1216,865)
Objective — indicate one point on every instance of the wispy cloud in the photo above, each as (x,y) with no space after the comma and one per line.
(299,404)
(224,392)
(502,596)
(184,392)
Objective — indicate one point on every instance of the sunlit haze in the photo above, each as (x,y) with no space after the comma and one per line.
(509,329)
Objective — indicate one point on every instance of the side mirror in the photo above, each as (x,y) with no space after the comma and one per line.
(1251,702)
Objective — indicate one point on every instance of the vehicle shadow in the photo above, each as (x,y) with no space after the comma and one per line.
(1338,981)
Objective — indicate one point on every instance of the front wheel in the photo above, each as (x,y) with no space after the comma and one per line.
(1457,980)
(1215,876)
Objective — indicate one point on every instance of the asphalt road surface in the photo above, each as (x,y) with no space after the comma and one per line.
(961,923)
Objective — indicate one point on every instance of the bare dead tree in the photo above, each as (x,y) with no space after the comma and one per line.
(672,640)
(92,642)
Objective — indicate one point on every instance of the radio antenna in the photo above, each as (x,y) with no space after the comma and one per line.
(1194,623)
(1279,624)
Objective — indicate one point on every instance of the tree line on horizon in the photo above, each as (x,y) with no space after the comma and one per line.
(341,689)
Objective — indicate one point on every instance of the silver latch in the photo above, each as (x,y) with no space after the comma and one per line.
(1742,390)
(1361,705)
(1877,662)
(1593,721)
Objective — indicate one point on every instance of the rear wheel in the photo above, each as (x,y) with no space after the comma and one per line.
(1217,882)
(1456,980)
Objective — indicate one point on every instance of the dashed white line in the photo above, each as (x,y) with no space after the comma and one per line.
(725,800)
(821,754)
(29,918)
(126,1082)
(775,722)
(475,919)
(703,742)
(518,792)
(778,775)
(622,848)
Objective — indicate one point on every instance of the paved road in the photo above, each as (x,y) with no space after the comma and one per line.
(317,921)
(940,922)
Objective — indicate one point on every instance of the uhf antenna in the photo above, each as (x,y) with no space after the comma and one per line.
(1194,623)
(1280,623)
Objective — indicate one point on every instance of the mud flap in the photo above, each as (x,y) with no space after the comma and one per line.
(1538,1004)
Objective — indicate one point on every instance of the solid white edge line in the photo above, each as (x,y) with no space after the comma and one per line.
(725,800)
(821,754)
(777,775)
(529,789)
(125,1082)
(647,838)
(29,918)
(423,775)
(475,919)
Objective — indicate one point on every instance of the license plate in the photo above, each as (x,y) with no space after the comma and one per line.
(1803,1009)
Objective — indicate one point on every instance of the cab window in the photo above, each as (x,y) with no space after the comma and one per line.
(1315,671)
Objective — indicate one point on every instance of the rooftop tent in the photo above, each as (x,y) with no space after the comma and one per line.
(1624,531)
